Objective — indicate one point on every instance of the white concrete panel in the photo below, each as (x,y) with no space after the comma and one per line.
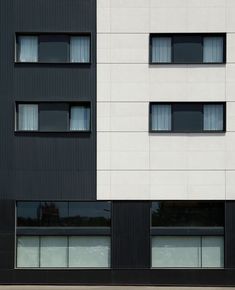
(130,92)
(203,19)
(129,160)
(103,116)
(126,73)
(103,20)
(187,152)
(103,151)
(230,185)
(230,82)
(230,17)
(203,185)
(168,19)
(129,117)
(103,82)
(129,3)
(129,48)
(166,185)
(129,20)
(230,107)
(231,47)
(188,3)
(103,3)
(103,48)
(129,141)
(130,185)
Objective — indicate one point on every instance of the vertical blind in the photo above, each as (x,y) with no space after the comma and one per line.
(213,49)
(80,49)
(161,49)
(28,48)
(80,118)
(213,117)
(161,117)
(28,117)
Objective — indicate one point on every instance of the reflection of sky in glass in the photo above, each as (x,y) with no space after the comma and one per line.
(28,209)
(89,209)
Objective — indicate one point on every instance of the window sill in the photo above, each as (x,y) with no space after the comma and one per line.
(54,63)
(187,63)
(186,132)
(53,132)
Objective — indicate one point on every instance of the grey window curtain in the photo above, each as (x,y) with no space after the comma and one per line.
(213,49)
(28,48)
(80,118)
(28,117)
(80,49)
(161,49)
(213,117)
(161,117)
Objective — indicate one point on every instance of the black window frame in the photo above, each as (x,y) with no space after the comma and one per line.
(172,35)
(38,34)
(69,103)
(186,131)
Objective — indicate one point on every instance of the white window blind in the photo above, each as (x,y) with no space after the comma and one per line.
(161,117)
(27,117)
(80,118)
(213,118)
(80,49)
(213,49)
(161,49)
(28,48)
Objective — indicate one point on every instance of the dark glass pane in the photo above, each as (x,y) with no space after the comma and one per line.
(53,48)
(187,117)
(90,214)
(187,49)
(187,214)
(54,213)
(53,117)
(28,214)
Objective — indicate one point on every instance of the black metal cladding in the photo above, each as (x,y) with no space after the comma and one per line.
(230,234)
(50,165)
(131,234)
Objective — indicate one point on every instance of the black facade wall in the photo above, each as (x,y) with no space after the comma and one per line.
(230,234)
(131,241)
(46,165)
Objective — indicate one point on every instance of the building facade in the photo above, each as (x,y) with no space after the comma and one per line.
(117,126)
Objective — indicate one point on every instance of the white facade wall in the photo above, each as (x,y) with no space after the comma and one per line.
(133,163)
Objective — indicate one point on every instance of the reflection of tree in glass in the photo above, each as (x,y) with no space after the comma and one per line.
(50,214)
(191,214)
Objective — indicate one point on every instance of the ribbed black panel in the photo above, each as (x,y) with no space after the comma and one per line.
(52,165)
(131,234)
(230,234)
(7,234)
